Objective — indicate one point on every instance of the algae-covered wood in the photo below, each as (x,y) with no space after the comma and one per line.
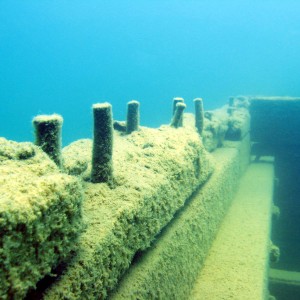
(155,171)
(40,217)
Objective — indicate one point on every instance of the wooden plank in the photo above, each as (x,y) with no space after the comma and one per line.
(237,264)
(284,277)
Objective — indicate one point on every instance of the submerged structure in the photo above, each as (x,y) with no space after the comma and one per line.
(179,212)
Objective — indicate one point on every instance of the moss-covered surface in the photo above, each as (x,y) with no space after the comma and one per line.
(77,158)
(220,126)
(237,264)
(238,124)
(215,128)
(155,171)
(168,270)
(244,149)
(40,217)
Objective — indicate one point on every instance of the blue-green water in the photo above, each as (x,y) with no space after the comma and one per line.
(63,56)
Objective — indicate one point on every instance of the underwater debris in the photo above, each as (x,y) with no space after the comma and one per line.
(133,116)
(40,217)
(274,253)
(209,115)
(155,157)
(215,128)
(74,162)
(102,167)
(120,126)
(15,151)
(231,101)
(238,123)
(47,130)
(275,211)
(238,102)
(242,102)
(231,110)
(175,101)
(199,115)
(150,168)
(177,117)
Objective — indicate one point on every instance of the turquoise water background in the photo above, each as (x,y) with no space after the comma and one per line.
(63,56)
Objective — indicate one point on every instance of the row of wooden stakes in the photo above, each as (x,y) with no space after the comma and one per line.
(47,129)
